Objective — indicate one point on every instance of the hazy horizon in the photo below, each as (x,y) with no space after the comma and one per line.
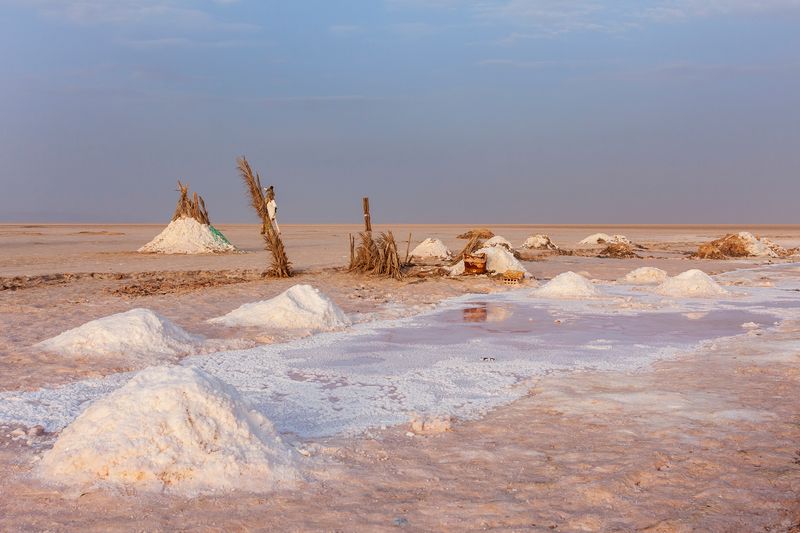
(512,111)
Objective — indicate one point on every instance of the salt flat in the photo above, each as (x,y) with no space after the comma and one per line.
(629,410)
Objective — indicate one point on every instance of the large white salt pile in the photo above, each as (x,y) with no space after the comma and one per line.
(497,240)
(188,236)
(645,276)
(567,285)
(299,307)
(691,284)
(170,428)
(137,334)
(604,238)
(431,248)
(539,242)
(499,260)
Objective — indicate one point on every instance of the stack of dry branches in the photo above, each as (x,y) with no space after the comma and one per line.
(280,267)
(377,257)
(193,207)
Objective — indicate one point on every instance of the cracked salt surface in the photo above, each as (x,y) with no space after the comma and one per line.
(466,356)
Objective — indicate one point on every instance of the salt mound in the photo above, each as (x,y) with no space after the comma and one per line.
(299,307)
(604,238)
(568,285)
(170,428)
(188,236)
(497,240)
(457,269)
(431,248)
(499,260)
(761,247)
(742,244)
(539,242)
(138,333)
(645,275)
(692,283)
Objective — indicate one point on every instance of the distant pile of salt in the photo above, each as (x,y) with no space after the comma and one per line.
(497,240)
(604,238)
(299,307)
(431,248)
(138,334)
(567,285)
(539,242)
(645,276)
(188,236)
(691,284)
(172,429)
(742,244)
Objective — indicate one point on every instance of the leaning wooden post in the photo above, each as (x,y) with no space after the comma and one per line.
(367,220)
(408,247)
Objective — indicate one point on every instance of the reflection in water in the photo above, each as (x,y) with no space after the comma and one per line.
(475,314)
(485,312)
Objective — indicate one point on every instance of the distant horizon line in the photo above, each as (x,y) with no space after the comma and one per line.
(459,224)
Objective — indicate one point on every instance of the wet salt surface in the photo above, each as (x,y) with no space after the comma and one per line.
(468,355)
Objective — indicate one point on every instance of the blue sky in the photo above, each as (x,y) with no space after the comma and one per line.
(537,111)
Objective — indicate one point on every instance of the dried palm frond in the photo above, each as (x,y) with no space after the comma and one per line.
(280,267)
(481,233)
(253,183)
(202,211)
(193,207)
(377,257)
(184,207)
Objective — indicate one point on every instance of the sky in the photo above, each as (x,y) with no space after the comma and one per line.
(448,111)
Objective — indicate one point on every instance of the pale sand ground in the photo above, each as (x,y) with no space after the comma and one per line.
(592,451)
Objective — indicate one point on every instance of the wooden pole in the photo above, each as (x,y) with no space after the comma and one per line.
(408,248)
(367,220)
(352,251)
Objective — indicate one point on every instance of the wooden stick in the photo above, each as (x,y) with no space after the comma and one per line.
(352,250)
(367,219)
(408,248)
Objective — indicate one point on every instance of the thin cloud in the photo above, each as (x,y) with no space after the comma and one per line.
(185,42)
(525,64)
(530,19)
(323,99)
(175,13)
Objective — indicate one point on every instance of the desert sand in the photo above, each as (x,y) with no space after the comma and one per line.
(703,440)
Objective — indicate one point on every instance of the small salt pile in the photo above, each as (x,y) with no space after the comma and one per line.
(497,240)
(188,236)
(138,334)
(604,238)
(170,429)
(567,285)
(690,284)
(645,276)
(760,246)
(299,307)
(539,242)
(431,248)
